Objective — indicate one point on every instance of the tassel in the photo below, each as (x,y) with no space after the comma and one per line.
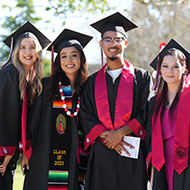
(52,58)
(156,82)
(102,58)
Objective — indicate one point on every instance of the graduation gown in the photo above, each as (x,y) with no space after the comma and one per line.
(181,177)
(10,113)
(106,168)
(41,130)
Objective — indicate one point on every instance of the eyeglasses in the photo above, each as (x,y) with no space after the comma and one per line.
(116,40)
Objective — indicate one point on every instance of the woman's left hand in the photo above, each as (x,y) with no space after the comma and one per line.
(5,163)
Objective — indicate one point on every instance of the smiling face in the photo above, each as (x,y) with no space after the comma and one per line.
(115,49)
(70,61)
(27,53)
(172,70)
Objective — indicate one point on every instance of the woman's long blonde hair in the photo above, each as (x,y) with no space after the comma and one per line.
(35,74)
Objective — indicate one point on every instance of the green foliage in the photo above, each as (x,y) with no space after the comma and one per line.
(46,67)
(63,7)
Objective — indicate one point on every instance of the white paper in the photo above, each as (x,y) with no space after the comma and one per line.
(134,141)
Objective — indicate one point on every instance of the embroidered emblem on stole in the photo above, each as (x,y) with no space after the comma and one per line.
(60,124)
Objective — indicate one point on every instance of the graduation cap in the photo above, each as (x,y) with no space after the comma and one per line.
(172,44)
(115,22)
(69,38)
(27,30)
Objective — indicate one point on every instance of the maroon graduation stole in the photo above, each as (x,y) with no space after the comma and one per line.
(181,144)
(24,118)
(124,100)
(26,144)
(158,158)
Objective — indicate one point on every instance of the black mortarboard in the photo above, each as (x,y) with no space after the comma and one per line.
(172,44)
(69,38)
(115,22)
(27,31)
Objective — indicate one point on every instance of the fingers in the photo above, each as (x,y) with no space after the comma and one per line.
(118,149)
(104,134)
(27,165)
(24,161)
(127,144)
(110,146)
(2,169)
(7,159)
(125,150)
(3,172)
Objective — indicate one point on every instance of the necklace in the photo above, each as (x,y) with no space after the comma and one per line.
(75,113)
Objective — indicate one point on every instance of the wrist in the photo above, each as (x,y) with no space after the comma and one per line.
(122,132)
(126,130)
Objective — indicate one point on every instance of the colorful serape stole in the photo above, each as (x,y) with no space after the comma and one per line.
(67,91)
(58,180)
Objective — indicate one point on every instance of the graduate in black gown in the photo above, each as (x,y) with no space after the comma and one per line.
(113,105)
(20,78)
(168,127)
(55,161)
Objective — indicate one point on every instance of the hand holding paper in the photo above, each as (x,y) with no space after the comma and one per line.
(135,142)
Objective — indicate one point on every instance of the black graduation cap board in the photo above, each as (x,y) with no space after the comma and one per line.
(115,22)
(172,44)
(27,30)
(69,38)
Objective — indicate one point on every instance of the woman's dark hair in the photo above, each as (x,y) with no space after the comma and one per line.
(58,72)
(162,88)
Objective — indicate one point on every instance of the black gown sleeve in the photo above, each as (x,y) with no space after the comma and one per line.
(141,95)
(10,110)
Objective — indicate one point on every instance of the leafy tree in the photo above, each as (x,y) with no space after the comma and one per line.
(61,8)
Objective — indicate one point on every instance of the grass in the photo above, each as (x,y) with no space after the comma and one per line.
(18,179)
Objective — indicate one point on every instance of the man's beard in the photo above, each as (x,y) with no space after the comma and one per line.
(112,58)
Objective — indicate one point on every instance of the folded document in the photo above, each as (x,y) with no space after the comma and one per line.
(134,141)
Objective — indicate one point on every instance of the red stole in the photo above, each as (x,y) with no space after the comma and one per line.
(24,118)
(124,100)
(158,158)
(181,145)
(25,143)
